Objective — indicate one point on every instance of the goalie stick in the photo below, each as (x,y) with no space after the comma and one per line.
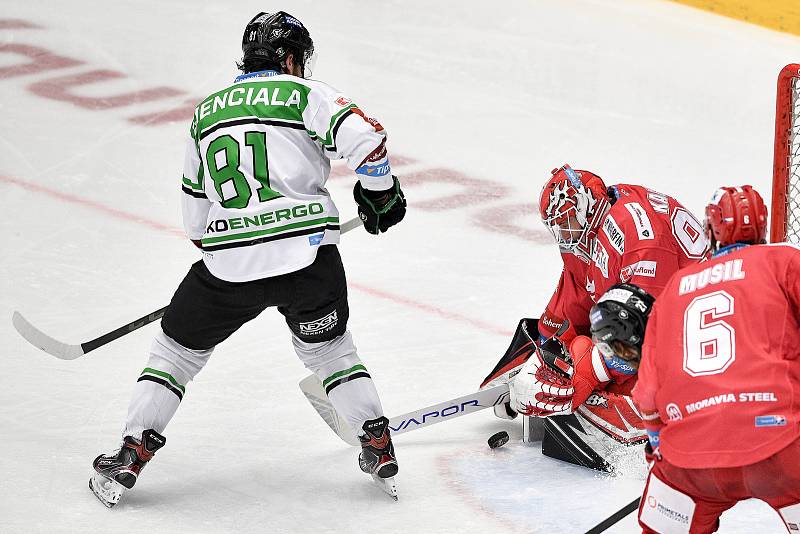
(66,351)
(430,415)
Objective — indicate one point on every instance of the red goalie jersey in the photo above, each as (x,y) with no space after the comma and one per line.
(643,238)
(721,362)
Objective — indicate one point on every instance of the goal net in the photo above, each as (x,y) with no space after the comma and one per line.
(785,210)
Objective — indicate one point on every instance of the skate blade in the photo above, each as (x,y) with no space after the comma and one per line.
(388,485)
(106,490)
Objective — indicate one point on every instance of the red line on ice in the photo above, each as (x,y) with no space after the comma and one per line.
(135,218)
(73,199)
(434,310)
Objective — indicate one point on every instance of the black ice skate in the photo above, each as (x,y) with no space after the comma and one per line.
(377,454)
(117,472)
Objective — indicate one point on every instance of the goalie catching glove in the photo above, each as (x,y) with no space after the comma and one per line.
(543,387)
(380,210)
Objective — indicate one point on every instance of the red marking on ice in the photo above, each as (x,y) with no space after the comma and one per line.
(502,220)
(17,24)
(433,310)
(182,113)
(457,485)
(475,190)
(98,206)
(59,89)
(134,218)
(40,60)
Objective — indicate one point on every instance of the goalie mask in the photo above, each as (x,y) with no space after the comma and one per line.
(736,215)
(618,323)
(271,37)
(572,205)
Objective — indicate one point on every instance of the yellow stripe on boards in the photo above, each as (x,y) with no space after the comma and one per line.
(782,15)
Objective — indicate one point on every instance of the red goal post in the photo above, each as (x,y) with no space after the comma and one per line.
(785,212)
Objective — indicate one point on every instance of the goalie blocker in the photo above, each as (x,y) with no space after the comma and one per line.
(600,431)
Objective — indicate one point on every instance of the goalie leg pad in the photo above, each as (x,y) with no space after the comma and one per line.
(565,439)
(344,377)
(521,348)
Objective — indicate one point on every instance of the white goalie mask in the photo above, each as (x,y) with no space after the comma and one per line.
(572,204)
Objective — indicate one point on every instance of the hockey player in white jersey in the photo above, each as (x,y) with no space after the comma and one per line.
(255,203)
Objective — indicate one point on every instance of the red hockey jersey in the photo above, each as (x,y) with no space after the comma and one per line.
(721,359)
(645,237)
(591,372)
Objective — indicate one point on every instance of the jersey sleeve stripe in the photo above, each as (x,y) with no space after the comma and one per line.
(193,193)
(599,367)
(329,141)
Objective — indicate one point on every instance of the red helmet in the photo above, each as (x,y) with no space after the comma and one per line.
(572,204)
(736,215)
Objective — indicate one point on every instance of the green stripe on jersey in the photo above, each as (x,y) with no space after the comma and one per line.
(270,99)
(327,139)
(340,374)
(165,376)
(268,231)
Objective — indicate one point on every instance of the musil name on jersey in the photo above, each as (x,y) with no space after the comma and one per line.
(721,272)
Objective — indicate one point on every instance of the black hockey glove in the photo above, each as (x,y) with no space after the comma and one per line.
(379,210)
(556,356)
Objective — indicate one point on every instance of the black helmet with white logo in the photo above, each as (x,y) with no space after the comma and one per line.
(269,38)
(621,315)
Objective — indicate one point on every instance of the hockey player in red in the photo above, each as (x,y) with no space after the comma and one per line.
(607,235)
(719,380)
(606,422)
(623,233)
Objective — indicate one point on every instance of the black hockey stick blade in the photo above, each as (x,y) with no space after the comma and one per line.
(66,351)
(615,517)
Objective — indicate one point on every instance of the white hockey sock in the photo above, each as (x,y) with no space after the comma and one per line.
(344,377)
(162,384)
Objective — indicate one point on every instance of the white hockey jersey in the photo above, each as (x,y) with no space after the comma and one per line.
(255,170)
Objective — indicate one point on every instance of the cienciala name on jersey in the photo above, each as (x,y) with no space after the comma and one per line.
(248,96)
(265,219)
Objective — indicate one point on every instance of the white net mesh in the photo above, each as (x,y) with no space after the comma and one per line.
(793,189)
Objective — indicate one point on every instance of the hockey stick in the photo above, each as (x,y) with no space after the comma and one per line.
(430,415)
(65,351)
(614,518)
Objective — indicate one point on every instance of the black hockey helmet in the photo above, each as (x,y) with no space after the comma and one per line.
(621,315)
(271,37)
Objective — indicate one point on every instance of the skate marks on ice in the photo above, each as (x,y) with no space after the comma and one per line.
(531,493)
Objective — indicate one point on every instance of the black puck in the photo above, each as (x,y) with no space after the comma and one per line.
(499,439)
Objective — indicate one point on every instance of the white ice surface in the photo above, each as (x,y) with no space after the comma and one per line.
(645,91)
